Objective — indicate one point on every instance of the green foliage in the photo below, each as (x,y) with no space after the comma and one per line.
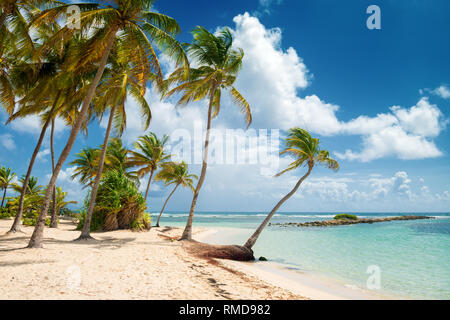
(6,213)
(346,216)
(118,205)
(31,222)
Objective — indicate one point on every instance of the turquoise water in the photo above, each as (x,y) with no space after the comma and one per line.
(413,256)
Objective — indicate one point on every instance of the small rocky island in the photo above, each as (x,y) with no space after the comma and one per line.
(344,219)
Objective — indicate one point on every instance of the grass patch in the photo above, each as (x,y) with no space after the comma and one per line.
(345,216)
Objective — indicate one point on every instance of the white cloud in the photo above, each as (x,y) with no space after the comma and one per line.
(7,141)
(33,124)
(42,155)
(442,91)
(265,6)
(404,133)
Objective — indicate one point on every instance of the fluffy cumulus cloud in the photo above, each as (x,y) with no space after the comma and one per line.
(404,133)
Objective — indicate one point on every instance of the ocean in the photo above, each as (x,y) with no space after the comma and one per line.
(410,259)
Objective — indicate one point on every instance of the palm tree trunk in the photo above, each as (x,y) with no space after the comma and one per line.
(251,241)
(54,219)
(4,195)
(86,232)
(187,233)
(38,233)
(165,203)
(18,219)
(148,185)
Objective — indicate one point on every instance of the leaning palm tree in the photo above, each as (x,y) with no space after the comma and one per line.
(149,155)
(137,26)
(307,153)
(218,67)
(6,177)
(177,174)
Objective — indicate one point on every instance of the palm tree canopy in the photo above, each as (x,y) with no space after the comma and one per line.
(136,25)
(86,165)
(33,188)
(6,176)
(61,199)
(306,151)
(218,67)
(176,173)
(150,153)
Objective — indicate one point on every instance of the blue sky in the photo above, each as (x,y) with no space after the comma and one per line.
(377,99)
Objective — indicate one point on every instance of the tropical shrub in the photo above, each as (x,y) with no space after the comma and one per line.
(118,205)
(346,216)
(6,213)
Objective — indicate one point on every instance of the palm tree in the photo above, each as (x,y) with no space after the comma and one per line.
(219,65)
(307,153)
(149,156)
(136,26)
(60,204)
(174,173)
(32,188)
(86,165)
(47,91)
(6,176)
(119,83)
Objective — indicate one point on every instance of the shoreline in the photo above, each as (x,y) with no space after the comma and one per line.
(290,277)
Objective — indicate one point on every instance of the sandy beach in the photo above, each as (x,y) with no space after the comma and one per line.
(136,265)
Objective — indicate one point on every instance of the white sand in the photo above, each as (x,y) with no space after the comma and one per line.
(119,265)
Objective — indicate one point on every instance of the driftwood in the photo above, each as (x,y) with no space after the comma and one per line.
(338,222)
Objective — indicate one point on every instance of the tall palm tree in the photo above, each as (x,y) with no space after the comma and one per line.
(307,153)
(6,176)
(174,173)
(137,26)
(123,80)
(219,65)
(149,155)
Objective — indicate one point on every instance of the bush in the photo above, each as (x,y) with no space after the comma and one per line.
(31,222)
(119,205)
(346,216)
(6,213)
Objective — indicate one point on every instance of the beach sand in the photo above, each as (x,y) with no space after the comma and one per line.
(119,265)
(138,265)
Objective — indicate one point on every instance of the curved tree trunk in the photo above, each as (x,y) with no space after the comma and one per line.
(55,212)
(86,232)
(18,219)
(36,238)
(187,233)
(4,195)
(165,203)
(251,241)
(148,185)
